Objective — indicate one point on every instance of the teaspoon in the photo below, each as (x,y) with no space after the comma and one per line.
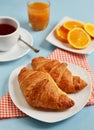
(34,49)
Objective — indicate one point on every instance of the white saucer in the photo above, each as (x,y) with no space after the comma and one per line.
(20,49)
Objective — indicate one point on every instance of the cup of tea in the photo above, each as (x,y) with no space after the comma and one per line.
(38,14)
(9,32)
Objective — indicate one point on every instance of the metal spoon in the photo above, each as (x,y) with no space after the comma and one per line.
(34,49)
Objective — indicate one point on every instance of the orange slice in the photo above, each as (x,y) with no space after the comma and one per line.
(78,38)
(61,34)
(72,24)
(89,28)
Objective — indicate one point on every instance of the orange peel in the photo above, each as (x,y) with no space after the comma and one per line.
(61,34)
(78,38)
(72,24)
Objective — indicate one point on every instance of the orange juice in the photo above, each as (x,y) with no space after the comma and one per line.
(38,13)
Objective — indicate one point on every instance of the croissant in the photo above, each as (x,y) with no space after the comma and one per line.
(40,91)
(60,73)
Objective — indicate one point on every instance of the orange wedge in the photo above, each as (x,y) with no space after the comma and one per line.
(78,38)
(89,28)
(61,34)
(72,24)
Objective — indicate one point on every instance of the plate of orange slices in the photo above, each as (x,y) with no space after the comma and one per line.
(73,35)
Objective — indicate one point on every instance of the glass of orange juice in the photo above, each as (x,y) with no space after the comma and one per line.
(38,14)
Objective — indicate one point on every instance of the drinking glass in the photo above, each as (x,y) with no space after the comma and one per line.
(38,14)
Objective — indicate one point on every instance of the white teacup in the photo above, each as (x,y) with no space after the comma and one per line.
(9,32)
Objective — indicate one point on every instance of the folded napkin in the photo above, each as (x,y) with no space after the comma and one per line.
(9,110)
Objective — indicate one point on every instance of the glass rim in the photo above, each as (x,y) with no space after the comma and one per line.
(33,1)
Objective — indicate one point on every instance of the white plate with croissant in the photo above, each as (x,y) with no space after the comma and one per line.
(48,90)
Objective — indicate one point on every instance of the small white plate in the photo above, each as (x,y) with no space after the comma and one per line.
(20,49)
(51,38)
(79,98)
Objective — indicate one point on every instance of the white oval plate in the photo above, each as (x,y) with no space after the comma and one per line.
(20,49)
(51,38)
(80,98)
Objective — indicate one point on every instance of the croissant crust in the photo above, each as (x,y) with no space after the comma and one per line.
(40,91)
(60,73)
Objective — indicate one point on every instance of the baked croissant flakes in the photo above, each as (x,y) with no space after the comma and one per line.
(60,73)
(40,91)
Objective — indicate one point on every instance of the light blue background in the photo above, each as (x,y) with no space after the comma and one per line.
(78,9)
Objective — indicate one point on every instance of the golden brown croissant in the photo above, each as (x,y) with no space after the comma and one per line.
(41,91)
(60,73)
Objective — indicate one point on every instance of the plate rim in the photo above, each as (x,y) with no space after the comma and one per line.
(24,53)
(45,120)
(64,47)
